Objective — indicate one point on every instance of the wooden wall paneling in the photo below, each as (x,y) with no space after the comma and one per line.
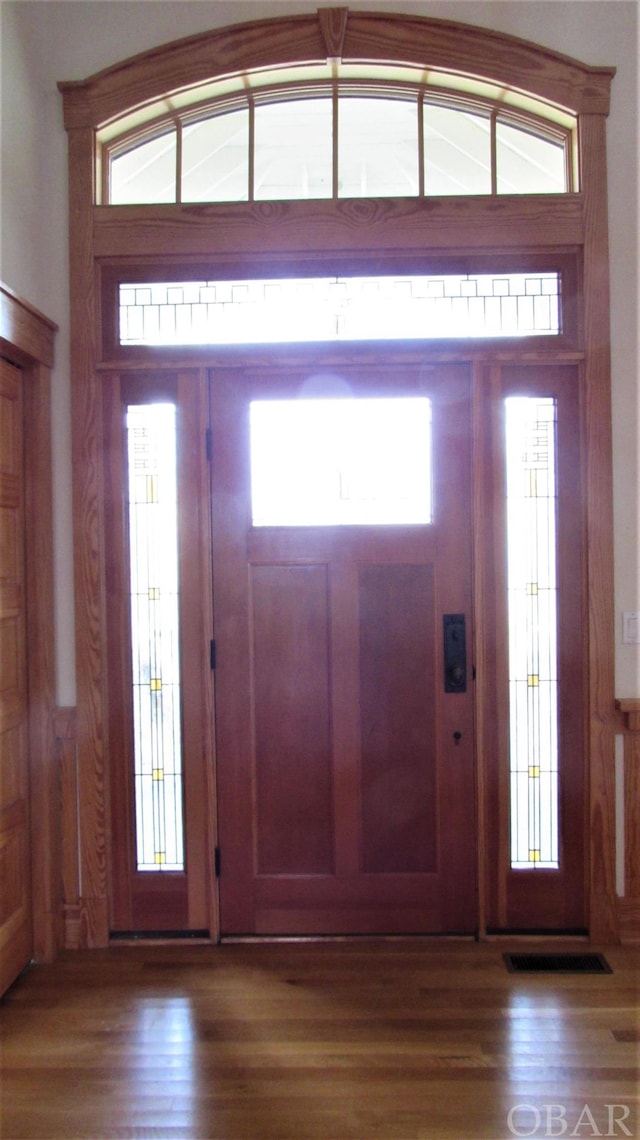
(597,462)
(88,542)
(629,904)
(27,339)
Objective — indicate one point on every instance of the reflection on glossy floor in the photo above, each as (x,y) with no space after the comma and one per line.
(371,1041)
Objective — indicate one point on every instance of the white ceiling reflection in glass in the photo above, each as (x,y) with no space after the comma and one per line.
(293,149)
(332,141)
(378,151)
(527,164)
(215,158)
(147,173)
(457,151)
(295,310)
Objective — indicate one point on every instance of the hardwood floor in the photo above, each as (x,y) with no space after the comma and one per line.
(372,1041)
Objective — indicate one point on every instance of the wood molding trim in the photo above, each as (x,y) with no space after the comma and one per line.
(27,339)
(404,224)
(599,508)
(65,721)
(376,37)
(26,332)
(629,905)
(163,235)
(88,550)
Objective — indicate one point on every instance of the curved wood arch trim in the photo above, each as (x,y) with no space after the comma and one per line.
(376,37)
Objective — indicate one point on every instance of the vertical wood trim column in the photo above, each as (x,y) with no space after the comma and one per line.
(65,730)
(27,339)
(87,451)
(629,904)
(599,505)
(43,775)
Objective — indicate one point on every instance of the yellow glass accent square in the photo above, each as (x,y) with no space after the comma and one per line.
(152,489)
(160,858)
(155,684)
(533,680)
(158,773)
(532,588)
(154,594)
(534,855)
(534,771)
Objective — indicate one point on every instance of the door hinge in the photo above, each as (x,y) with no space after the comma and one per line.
(216,862)
(212,653)
(208,444)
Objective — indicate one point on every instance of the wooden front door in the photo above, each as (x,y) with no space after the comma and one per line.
(15,872)
(344,741)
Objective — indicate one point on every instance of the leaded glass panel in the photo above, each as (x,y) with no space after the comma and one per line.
(152,483)
(293,310)
(532,618)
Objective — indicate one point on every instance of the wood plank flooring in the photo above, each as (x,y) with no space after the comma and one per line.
(371,1041)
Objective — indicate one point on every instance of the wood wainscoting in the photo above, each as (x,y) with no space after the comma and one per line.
(629,902)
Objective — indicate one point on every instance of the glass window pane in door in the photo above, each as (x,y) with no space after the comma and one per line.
(215,159)
(457,151)
(342,461)
(377,148)
(293,153)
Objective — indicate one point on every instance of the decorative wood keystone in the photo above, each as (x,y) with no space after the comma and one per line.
(333,25)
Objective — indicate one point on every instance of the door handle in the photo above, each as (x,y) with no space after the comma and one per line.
(455,653)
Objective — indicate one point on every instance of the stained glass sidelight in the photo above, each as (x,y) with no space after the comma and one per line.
(151,435)
(532,617)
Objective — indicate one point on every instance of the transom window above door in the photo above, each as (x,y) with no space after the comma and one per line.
(294,310)
(356,134)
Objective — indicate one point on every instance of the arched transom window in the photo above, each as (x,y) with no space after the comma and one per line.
(338,131)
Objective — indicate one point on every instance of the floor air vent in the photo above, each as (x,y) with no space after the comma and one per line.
(557,964)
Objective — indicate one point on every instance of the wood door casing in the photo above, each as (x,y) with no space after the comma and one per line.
(16,937)
(345,803)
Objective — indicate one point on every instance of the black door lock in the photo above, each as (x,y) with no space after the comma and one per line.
(455,653)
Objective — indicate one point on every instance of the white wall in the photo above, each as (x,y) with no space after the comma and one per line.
(43,43)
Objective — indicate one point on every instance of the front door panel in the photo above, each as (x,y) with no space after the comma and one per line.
(345,770)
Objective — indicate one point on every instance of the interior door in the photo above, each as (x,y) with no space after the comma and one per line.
(15,873)
(344,739)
